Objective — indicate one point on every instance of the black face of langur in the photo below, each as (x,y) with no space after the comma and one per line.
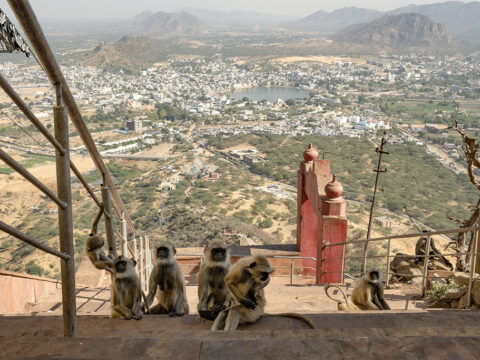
(218,254)
(164,252)
(123,267)
(373,276)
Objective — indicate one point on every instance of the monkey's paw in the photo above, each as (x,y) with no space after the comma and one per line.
(137,317)
(127,318)
(172,313)
(249,304)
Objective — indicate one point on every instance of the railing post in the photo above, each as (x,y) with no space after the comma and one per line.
(387,272)
(425,265)
(124,235)
(291,272)
(142,267)
(135,251)
(107,203)
(473,258)
(148,256)
(65,225)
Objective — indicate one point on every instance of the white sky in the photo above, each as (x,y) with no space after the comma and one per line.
(130,8)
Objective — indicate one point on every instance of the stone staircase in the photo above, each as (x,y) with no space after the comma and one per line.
(438,334)
(407,332)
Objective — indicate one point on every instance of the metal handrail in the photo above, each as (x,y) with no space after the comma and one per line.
(404,236)
(427,256)
(30,178)
(31,241)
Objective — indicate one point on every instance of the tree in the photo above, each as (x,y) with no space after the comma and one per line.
(470,148)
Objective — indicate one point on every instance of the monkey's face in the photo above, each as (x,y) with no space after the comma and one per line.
(164,252)
(219,254)
(373,276)
(261,271)
(123,265)
(94,242)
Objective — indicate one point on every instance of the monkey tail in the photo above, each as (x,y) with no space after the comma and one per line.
(332,298)
(295,316)
(145,301)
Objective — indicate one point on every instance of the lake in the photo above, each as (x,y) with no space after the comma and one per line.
(269,93)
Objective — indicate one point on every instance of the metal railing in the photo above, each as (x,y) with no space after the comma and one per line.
(292,266)
(65,106)
(473,253)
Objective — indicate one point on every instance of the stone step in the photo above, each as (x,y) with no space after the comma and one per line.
(275,348)
(431,323)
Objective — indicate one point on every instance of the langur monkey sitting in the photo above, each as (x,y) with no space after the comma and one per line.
(246,280)
(95,247)
(167,282)
(126,301)
(212,290)
(368,292)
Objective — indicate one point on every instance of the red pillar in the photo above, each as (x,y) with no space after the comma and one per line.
(320,218)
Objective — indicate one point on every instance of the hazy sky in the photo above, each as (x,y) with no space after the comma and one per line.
(129,8)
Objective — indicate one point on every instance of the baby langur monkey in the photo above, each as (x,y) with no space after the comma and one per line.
(126,301)
(167,282)
(246,281)
(95,247)
(212,290)
(368,292)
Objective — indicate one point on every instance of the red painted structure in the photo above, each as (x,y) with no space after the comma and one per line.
(321,219)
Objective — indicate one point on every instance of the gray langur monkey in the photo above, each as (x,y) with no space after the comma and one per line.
(368,292)
(126,300)
(212,290)
(420,252)
(95,247)
(246,281)
(167,283)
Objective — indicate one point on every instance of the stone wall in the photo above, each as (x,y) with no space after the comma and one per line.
(18,290)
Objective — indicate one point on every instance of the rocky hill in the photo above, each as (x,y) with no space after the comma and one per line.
(336,20)
(163,23)
(400,33)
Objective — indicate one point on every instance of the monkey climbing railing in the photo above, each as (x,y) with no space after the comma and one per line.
(474,263)
(66,107)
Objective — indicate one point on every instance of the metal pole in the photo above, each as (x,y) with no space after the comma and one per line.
(142,276)
(107,203)
(148,257)
(65,217)
(291,272)
(39,44)
(124,234)
(29,113)
(31,241)
(31,179)
(477,262)
(378,171)
(135,253)
(387,273)
(473,257)
(425,265)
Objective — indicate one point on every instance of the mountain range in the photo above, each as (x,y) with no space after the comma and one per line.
(461,19)
(400,33)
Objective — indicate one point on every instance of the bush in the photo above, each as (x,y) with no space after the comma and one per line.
(34,269)
(266,223)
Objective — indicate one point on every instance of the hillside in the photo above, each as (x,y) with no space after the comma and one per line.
(404,32)
(163,23)
(457,16)
(338,19)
